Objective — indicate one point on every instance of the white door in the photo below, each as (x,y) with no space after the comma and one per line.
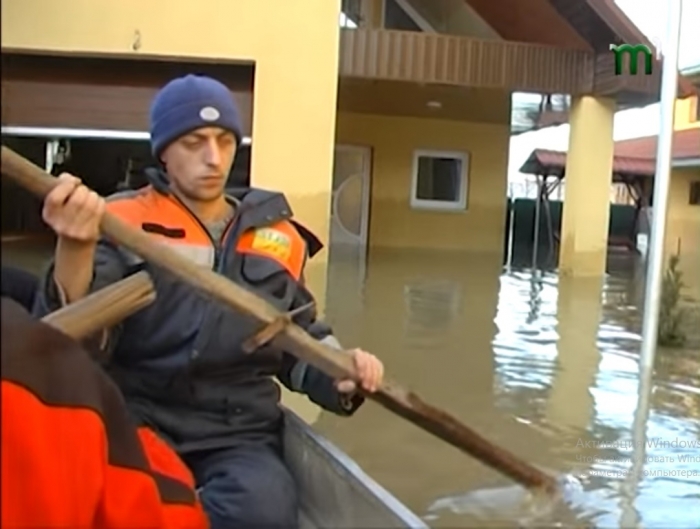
(350,206)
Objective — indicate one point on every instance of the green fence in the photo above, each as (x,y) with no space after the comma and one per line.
(523,209)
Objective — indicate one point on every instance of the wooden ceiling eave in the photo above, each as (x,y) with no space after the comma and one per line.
(463,61)
(535,21)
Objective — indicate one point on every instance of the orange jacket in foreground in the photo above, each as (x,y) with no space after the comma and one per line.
(70,455)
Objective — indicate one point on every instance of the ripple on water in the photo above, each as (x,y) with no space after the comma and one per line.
(561,356)
(623,483)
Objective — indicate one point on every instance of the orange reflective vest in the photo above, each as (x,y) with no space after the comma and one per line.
(71,457)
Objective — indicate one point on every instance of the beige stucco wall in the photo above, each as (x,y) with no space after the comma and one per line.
(684,117)
(683,226)
(393,223)
(683,219)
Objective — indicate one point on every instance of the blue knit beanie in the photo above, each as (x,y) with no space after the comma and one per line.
(188,103)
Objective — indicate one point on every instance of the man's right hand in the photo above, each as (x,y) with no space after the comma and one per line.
(73,211)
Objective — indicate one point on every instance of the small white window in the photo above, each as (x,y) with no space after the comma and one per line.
(440,180)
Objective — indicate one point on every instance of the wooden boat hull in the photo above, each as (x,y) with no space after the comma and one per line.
(333,490)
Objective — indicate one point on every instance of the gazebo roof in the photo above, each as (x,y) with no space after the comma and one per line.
(633,158)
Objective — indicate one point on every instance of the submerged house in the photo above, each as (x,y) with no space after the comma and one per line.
(386,122)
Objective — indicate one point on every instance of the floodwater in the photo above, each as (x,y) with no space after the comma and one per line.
(537,364)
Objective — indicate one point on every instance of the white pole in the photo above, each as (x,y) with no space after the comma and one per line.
(536,232)
(51,151)
(511,225)
(630,485)
(655,263)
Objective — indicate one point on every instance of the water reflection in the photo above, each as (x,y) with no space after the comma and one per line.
(545,367)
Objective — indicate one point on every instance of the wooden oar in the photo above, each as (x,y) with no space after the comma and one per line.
(294,339)
(104,308)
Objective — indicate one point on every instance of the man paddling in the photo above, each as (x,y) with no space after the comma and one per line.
(180,362)
(71,456)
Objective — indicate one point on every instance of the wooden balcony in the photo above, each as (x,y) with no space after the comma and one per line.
(461,61)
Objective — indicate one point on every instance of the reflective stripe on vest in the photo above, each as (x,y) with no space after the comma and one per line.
(280,242)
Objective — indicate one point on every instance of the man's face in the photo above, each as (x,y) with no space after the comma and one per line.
(199,163)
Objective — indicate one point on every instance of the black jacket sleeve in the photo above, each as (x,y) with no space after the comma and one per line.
(301,377)
(111,265)
(19,285)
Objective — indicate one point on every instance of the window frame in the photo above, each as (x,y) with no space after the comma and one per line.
(439,205)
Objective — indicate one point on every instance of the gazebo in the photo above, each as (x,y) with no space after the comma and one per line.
(549,168)
(634,165)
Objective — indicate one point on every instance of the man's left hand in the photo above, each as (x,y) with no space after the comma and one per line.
(370,372)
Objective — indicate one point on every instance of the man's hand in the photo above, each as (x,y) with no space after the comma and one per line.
(74,211)
(370,371)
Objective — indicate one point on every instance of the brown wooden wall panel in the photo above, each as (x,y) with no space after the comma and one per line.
(463,61)
(39,91)
(605,81)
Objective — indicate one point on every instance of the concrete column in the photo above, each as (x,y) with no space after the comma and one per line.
(293,141)
(584,229)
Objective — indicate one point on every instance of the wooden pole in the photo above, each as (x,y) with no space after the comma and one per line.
(294,339)
(104,308)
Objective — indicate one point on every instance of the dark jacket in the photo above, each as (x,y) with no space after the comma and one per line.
(19,285)
(179,361)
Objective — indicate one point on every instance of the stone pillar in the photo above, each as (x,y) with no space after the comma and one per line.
(584,228)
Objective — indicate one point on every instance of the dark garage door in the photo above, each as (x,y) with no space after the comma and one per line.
(104,94)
